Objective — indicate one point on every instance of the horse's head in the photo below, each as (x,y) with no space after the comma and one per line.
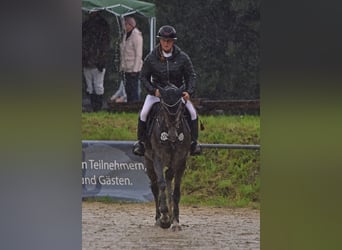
(172,105)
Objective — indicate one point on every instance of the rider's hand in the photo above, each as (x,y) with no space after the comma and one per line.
(157,93)
(186,96)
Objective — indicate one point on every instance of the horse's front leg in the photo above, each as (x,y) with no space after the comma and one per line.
(154,186)
(176,197)
(169,174)
(158,168)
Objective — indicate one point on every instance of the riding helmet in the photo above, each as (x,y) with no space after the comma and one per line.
(167,32)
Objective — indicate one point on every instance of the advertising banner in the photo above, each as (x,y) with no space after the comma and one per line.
(110,169)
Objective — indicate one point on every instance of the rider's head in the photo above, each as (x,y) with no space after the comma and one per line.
(167,36)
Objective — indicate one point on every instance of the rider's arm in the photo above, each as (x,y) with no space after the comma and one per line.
(145,76)
(189,76)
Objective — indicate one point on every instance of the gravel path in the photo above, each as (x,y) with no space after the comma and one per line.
(131,226)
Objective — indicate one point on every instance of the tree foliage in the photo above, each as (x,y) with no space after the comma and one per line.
(223,40)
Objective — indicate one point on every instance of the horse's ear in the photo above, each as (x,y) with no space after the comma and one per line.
(162,91)
(180,90)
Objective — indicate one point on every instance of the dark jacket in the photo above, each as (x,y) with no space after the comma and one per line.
(176,69)
(95,42)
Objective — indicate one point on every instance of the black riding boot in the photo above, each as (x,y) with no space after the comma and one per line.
(96,102)
(195,149)
(97,106)
(93,101)
(139,148)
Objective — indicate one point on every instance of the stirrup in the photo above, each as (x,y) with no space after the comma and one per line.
(138,148)
(195,149)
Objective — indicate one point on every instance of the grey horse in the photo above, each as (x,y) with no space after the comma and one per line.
(167,149)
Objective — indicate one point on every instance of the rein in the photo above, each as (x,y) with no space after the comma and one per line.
(164,104)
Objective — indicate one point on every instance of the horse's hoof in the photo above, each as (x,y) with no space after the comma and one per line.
(165,224)
(162,224)
(176,228)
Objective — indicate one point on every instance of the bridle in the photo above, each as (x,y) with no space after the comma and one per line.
(174,110)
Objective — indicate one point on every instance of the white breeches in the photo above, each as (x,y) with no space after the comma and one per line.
(150,100)
(94,79)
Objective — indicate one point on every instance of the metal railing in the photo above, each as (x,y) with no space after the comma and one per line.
(202,145)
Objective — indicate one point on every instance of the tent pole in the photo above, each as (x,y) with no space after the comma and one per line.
(152,32)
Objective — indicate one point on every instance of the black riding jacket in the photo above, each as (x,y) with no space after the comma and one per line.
(176,69)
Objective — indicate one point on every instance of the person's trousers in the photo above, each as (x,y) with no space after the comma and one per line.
(132,86)
(94,80)
(151,99)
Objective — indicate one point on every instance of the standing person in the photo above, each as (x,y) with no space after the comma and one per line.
(167,64)
(131,49)
(95,44)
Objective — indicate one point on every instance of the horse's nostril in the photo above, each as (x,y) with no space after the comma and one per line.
(172,138)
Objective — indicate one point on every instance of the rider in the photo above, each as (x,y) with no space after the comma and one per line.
(167,64)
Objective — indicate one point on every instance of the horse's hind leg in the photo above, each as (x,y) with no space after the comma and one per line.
(176,198)
(154,187)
